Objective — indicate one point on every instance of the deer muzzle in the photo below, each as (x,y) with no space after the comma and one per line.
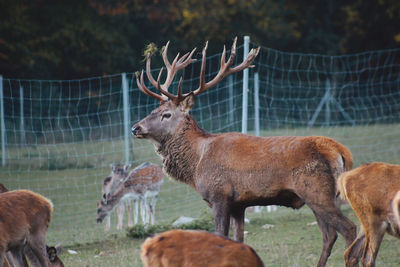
(137,131)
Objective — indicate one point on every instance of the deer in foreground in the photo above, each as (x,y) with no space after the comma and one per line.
(142,183)
(25,217)
(197,249)
(52,252)
(232,171)
(373,191)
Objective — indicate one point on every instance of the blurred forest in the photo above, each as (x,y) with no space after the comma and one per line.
(67,39)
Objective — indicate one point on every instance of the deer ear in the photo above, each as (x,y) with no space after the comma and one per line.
(127,167)
(187,103)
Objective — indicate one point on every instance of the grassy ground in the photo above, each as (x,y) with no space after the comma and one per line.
(291,242)
(71,176)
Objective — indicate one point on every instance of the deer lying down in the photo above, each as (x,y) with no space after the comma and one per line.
(25,217)
(233,171)
(373,191)
(176,248)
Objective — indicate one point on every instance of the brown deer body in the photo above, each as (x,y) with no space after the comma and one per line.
(141,184)
(176,248)
(373,192)
(24,219)
(232,171)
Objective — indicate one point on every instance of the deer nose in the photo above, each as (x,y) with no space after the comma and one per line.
(135,129)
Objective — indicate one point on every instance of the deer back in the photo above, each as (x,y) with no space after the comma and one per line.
(196,248)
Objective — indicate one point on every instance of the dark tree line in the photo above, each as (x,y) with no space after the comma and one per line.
(47,39)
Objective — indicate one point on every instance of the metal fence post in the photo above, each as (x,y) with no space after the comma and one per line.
(230,89)
(256,104)
(245,86)
(3,127)
(125,96)
(22,119)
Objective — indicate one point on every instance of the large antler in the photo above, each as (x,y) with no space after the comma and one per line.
(172,69)
(225,68)
(181,63)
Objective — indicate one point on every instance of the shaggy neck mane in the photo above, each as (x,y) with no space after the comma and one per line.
(179,153)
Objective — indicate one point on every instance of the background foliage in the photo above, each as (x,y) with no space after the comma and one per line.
(47,39)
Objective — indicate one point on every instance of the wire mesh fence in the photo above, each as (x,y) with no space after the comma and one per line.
(62,136)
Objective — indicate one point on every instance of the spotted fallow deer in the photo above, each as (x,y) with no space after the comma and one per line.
(110,185)
(373,191)
(24,219)
(196,249)
(232,171)
(141,184)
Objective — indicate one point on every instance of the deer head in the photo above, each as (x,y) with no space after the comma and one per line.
(164,121)
(111,182)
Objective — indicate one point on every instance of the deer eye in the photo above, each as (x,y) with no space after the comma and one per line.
(165,116)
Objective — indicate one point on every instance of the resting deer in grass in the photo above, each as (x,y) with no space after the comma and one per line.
(142,183)
(197,249)
(232,171)
(24,219)
(373,191)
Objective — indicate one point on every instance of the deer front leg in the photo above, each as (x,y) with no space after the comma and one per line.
(129,212)
(120,212)
(238,224)
(221,218)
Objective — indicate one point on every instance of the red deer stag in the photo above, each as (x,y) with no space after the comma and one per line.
(373,192)
(197,249)
(232,171)
(141,184)
(25,217)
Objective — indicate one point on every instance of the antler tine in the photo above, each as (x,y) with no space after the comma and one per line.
(186,59)
(202,72)
(148,70)
(145,90)
(164,92)
(179,96)
(225,68)
(246,63)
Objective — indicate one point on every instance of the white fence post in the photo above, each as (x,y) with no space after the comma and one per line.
(245,86)
(3,127)
(125,96)
(22,119)
(230,89)
(256,104)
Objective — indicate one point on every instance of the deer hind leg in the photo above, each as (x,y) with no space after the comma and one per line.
(329,237)
(120,215)
(353,253)
(374,236)
(153,209)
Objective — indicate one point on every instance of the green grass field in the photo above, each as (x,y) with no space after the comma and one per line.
(71,176)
